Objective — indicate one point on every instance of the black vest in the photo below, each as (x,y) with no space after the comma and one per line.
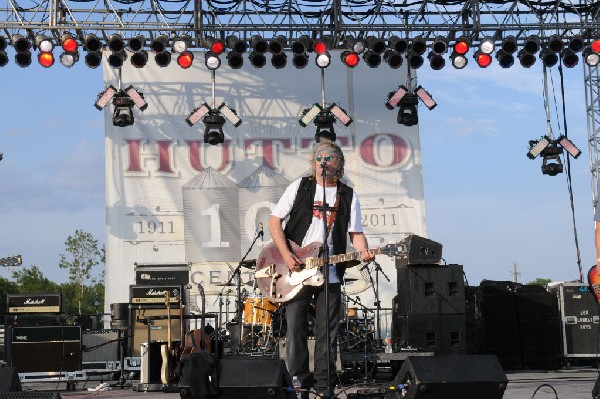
(301,217)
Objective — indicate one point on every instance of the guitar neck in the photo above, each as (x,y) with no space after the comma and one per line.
(318,262)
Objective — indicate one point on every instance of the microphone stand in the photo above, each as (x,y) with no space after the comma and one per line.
(375,286)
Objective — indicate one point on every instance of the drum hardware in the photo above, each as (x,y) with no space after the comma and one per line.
(226,284)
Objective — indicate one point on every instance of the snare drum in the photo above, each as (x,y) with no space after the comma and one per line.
(258,310)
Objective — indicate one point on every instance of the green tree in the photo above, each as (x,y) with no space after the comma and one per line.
(6,287)
(31,280)
(85,255)
(540,281)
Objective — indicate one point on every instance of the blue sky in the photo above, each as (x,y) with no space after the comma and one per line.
(486,202)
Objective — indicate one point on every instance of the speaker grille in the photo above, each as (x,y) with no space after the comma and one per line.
(30,395)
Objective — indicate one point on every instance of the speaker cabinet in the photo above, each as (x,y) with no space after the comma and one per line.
(9,380)
(45,349)
(253,378)
(102,345)
(30,395)
(430,289)
(440,334)
(451,377)
(150,330)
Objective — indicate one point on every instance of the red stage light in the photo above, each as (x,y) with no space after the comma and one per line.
(483,60)
(595,46)
(350,58)
(461,47)
(320,48)
(185,59)
(217,47)
(69,44)
(46,59)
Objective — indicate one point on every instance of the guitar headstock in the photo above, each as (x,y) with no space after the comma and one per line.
(15,260)
(395,250)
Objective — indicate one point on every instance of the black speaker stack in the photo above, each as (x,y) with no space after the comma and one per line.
(429,310)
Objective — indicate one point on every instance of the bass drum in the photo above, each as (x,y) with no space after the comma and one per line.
(279,325)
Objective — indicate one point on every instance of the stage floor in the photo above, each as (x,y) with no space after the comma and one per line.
(568,384)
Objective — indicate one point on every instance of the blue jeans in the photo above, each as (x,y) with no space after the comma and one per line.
(296,315)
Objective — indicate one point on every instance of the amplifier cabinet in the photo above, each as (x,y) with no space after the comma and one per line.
(44,349)
(440,334)
(579,320)
(152,295)
(101,345)
(34,303)
(148,325)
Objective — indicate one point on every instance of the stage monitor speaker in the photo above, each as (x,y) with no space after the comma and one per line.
(9,380)
(451,377)
(30,395)
(253,378)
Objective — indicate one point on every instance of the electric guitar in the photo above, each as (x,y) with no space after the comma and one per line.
(278,284)
(165,376)
(594,282)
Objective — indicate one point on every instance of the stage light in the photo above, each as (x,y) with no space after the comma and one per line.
(595,45)
(398,44)
(3,55)
(505,59)
(569,58)
(569,146)
(159,44)
(418,45)
(137,97)
(181,44)
(509,45)
(277,44)
(137,43)
(300,60)
(258,60)
(21,46)
(407,114)
(213,132)
(68,42)
(439,46)
(259,45)
(394,97)
(230,114)
(139,59)
(309,114)
(324,122)
(487,45)
(349,58)
(163,59)
(91,42)
(115,43)
(123,113)
(483,60)
(340,114)
(214,45)
(551,164)
(235,44)
(212,61)
(392,58)
(105,97)
(68,59)
(353,44)
(555,44)
(461,46)
(532,44)
(371,58)
(537,146)
(323,60)
(197,114)
(46,59)
(93,59)
(235,60)
(576,43)
(549,59)
(591,59)
(279,60)
(459,61)
(116,60)
(302,45)
(425,97)
(415,60)
(43,43)
(526,58)
(321,46)
(436,61)
(375,44)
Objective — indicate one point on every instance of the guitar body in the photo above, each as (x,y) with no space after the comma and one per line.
(279,284)
(594,282)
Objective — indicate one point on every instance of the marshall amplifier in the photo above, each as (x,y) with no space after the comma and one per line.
(155,295)
(162,274)
(34,303)
(44,349)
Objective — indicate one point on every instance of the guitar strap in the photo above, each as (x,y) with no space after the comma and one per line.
(334,211)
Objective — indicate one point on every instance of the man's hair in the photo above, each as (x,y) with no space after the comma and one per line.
(328,147)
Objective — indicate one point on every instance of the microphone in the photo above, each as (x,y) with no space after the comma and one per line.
(261,233)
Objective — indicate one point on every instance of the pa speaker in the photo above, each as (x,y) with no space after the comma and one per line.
(9,380)
(254,378)
(30,395)
(451,377)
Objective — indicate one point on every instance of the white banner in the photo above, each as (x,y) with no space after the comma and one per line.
(170,198)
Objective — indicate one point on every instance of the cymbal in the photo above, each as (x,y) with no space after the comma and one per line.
(248,264)
(225,284)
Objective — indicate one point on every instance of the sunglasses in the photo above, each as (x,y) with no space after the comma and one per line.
(326,158)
